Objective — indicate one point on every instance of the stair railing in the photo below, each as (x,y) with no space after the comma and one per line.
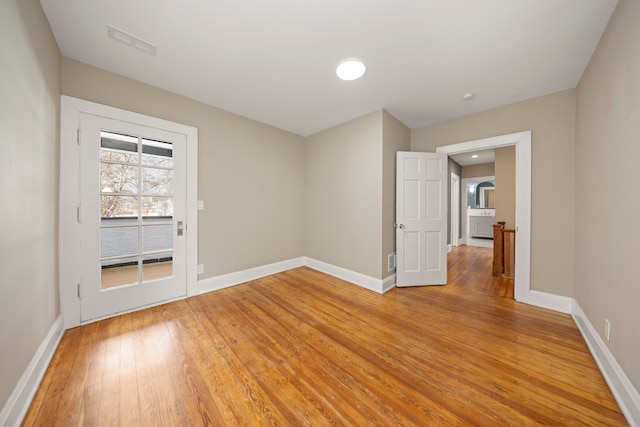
(504,244)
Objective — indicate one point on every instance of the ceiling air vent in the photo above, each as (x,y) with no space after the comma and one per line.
(131,40)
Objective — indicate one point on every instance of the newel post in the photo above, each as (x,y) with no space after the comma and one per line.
(498,251)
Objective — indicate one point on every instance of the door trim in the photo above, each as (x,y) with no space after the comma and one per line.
(522,142)
(69,188)
(454,212)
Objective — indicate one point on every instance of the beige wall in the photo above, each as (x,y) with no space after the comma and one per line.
(29,123)
(505,173)
(551,119)
(343,197)
(350,193)
(483,169)
(250,175)
(607,201)
(254,177)
(395,137)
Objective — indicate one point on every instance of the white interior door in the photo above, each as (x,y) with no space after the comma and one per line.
(132,216)
(421,219)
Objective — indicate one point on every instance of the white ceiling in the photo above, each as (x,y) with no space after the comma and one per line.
(274,61)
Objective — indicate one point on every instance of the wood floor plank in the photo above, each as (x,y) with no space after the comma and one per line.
(54,378)
(159,404)
(129,413)
(293,378)
(296,355)
(69,402)
(91,400)
(304,348)
(470,268)
(226,337)
(219,398)
(399,366)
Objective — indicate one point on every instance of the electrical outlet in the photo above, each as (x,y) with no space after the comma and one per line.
(200,268)
(607,329)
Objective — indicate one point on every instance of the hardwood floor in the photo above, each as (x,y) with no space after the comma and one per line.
(470,268)
(304,348)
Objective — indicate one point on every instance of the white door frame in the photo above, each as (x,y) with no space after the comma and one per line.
(454,213)
(69,212)
(522,142)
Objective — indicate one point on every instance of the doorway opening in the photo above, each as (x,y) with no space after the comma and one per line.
(477,217)
(522,143)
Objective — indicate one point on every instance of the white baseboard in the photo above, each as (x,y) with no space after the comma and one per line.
(238,277)
(235,278)
(549,301)
(480,243)
(624,392)
(449,248)
(368,282)
(16,407)
(388,283)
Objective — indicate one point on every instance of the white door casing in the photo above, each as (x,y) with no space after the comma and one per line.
(522,142)
(71,212)
(455,210)
(421,219)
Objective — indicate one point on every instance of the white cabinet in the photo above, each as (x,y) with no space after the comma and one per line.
(481,226)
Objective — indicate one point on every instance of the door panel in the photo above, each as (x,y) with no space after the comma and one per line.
(421,219)
(412,252)
(133,193)
(433,258)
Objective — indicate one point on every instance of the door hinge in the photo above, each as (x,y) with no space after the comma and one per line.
(79,292)
(78,136)
(78,214)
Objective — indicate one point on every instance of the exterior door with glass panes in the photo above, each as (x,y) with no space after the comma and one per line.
(132,215)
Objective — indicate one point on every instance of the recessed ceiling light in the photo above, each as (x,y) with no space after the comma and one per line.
(468,96)
(475,156)
(350,69)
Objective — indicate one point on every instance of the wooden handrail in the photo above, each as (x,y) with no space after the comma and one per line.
(502,245)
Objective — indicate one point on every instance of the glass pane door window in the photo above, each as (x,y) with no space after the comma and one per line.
(136,209)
